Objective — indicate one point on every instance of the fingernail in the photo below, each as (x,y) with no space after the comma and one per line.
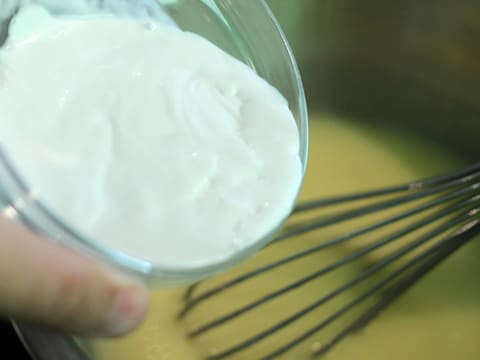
(128,310)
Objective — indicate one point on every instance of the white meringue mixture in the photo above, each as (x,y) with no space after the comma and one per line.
(149,139)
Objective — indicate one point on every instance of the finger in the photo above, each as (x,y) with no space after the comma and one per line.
(47,284)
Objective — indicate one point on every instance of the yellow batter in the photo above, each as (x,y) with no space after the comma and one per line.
(439,319)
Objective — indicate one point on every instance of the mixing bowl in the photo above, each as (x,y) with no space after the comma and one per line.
(411,67)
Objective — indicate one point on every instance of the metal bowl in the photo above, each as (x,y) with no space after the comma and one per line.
(413,65)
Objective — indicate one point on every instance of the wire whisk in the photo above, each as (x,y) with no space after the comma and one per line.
(396,236)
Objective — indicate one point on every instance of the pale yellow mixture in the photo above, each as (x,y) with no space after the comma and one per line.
(438,319)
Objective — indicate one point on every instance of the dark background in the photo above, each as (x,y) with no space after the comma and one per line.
(12,348)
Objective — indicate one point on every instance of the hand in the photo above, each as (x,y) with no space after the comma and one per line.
(47,284)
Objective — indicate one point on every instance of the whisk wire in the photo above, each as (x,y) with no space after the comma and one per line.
(383,205)
(464,173)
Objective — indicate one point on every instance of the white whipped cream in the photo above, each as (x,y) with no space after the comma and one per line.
(148,139)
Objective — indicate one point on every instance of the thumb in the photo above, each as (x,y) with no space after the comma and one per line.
(47,284)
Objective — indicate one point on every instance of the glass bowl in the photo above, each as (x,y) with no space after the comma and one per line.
(245,29)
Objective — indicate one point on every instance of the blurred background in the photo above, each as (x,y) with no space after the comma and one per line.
(407,63)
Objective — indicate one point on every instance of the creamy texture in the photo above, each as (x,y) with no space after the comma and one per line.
(151,140)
